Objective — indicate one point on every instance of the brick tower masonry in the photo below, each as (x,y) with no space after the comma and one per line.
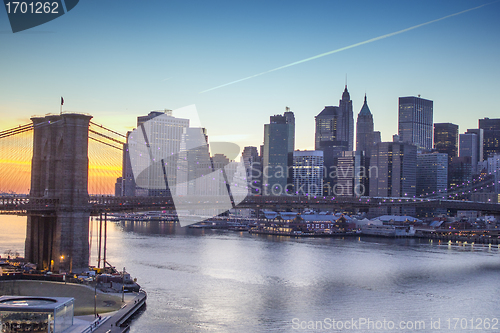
(59,241)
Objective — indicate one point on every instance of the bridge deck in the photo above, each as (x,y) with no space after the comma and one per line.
(24,205)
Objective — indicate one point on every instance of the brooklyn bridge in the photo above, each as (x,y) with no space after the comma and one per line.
(60,169)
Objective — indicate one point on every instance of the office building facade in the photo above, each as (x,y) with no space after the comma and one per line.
(432,173)
(253,168)
(480,142)
(459,171)
(352,175)
(491,136)
(396,176)
(164,132)
(276,173)
(415,121)
(469,148)
(125,185)
(308,172)
(194,162)
(393,173)
(446,138)
(494,170)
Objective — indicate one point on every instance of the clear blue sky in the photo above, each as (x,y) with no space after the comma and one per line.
(120,59)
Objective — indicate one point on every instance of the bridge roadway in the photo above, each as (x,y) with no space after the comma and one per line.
(25,205)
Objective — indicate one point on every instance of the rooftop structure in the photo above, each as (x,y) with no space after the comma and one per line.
(36,314)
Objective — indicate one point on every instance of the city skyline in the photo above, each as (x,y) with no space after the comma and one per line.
(118,62)
(256,74)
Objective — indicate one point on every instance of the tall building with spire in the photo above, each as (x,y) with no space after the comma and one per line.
(345,105)
(334,134)
(335,125)
(364,130)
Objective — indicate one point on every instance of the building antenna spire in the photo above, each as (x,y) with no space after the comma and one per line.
(346,80)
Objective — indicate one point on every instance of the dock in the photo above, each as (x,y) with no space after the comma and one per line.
(114,322)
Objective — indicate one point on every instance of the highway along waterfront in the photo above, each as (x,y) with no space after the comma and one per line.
(201,280)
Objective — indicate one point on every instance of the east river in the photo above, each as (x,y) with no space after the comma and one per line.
(223,281)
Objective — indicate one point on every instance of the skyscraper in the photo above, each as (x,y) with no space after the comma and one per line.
(334,134)
(194,162)
(432,173)
(459,170)
(469,147)
(364,129)
(494,170)
(308,172)
(253,167)
(352,178)
(166,134)
(415,121)
(395,163)
(125,185)
(335,125)
(290,120)
(432,178)
(446,138)
(276,173)
(393,173)
(491,128)
(345,105)
(480,142)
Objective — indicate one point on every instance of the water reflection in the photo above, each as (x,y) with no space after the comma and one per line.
(13,234)
(220,281)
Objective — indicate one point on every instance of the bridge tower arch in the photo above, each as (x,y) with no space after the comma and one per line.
(59,240)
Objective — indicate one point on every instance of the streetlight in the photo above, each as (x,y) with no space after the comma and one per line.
(61,267)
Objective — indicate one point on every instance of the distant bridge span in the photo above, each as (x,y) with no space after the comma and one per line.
(21,205)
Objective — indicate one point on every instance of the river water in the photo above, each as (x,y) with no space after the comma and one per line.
(223,281)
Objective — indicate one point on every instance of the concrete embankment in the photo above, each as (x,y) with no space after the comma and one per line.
(83,294)
(117,322)
(114,314)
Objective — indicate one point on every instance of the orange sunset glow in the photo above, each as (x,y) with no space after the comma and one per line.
(105,165)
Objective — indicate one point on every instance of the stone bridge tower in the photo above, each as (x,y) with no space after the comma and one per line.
(59,240)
